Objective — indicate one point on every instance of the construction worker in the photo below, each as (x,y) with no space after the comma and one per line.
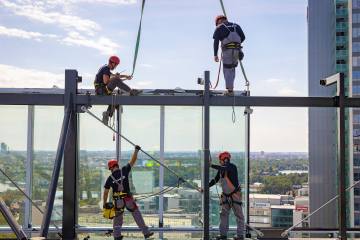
(230,197)
(122,197)
(231,36)
(105,83)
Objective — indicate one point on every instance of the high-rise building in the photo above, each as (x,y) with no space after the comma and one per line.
(334,46)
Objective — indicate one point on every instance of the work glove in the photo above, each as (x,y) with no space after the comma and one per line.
(108,210)
(108,205)
(137,147)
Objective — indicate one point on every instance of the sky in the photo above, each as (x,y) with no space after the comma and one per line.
(40,39)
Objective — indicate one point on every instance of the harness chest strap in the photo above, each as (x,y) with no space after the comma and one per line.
(120,192)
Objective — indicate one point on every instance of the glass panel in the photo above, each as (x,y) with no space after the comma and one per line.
(279,189)
(13,143)
(97,146)
(47,128)
(226,135)
(183,134)
(141,125)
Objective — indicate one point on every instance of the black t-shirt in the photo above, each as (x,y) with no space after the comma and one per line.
(231,170)
(117,174)
(103,70)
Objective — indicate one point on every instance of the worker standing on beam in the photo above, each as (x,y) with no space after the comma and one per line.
(122,197)
(230,198)
(105,83)
(231,36)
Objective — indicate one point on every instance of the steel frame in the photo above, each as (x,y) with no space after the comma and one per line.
(71,99)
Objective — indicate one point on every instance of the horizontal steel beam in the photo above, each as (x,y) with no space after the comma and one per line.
(31,99)
(56,99)
(84,229)
(214,101)
(260,101)
(140,100)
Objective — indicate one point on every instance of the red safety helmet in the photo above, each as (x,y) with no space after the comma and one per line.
(112,163)
(114,59)
(218,18)
(224,155)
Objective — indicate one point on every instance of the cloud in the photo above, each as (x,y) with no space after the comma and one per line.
(79,31)
(19,33)
(116,2)
(288,92)
(143,83)
(272,7)
(274,80)
(146,65)
(103,44)
(16,77)
(41,13)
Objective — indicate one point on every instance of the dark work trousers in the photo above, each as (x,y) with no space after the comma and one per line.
(130,204)
(227,205)
(115,81)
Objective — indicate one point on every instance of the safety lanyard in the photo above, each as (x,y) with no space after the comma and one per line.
(138,39)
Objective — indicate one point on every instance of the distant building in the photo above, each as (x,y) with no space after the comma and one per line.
(261,209)
(301,210)
(260,215)
(333,47)
(303,191)
(256,187)
(282,215)
(4,148)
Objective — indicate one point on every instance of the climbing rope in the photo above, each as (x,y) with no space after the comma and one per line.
(149,195)
(138,38)
(286,232)
(32,202)
(180,179)
(247,83)
(222,7)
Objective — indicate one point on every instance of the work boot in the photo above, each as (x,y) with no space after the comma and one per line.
(119,238)
(239,238)
(105,117)
(229,93)
(148,235)
(221,237)
(134,92)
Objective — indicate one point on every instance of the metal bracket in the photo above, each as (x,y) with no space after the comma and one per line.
(330,80)
(248,110)
(87,106)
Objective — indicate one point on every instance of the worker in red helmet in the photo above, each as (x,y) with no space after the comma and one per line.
(122,197)
(105,83)
(231,36)
(227,175)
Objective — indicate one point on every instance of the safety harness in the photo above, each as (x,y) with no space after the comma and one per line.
(231,43)
(101,88)
(122,199)
(230,193)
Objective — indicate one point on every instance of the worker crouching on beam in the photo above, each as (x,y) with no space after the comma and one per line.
(122,197)
(105,83)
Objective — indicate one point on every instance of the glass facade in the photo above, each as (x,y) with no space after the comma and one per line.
(13,160)
(355,202)
(181,207)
